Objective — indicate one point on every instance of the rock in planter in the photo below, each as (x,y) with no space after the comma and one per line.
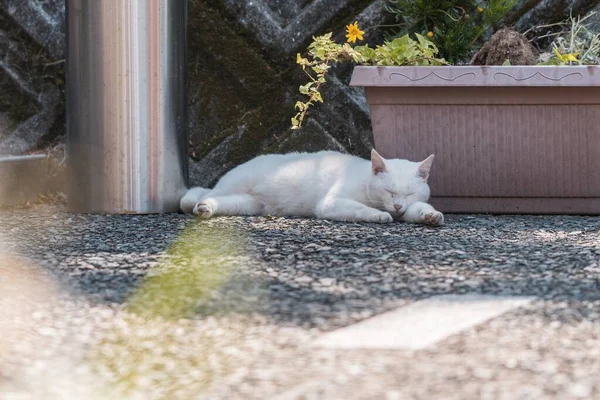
(507,139)
(506,44)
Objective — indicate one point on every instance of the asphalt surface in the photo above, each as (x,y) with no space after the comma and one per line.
(172,307)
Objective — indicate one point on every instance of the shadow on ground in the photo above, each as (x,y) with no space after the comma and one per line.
(305,272)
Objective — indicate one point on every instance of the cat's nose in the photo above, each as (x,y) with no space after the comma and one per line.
(398,207)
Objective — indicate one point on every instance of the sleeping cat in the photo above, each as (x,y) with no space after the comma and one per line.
(327,185)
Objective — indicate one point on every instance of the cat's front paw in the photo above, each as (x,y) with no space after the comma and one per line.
(380,217)
(203,210)
(433,218)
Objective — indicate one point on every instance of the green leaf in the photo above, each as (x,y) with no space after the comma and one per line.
(304,89)
(321,68)
(401,41)
(300,60)
(423,41)
(295,122)
(506,62)
(552,61)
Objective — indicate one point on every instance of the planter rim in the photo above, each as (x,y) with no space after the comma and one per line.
(477,76)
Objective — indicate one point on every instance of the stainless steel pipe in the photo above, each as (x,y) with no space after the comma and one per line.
(126,105)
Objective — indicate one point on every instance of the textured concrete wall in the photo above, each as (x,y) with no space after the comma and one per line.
(243,76)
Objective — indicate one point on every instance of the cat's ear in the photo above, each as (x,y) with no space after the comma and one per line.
(425,167)
(377,163)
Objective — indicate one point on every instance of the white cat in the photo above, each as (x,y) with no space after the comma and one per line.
(327,185)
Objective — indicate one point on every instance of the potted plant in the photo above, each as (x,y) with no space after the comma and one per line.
(507,138)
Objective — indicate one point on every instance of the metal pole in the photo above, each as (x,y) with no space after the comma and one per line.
(126,105)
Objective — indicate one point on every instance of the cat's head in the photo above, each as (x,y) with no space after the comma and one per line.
(396,183)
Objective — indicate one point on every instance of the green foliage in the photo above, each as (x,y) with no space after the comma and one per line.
(401,51)
(457,27)
(574,45)
(323,52)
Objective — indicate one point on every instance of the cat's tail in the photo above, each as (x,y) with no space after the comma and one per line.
(191,198)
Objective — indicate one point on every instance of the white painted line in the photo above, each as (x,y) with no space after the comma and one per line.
(421,324)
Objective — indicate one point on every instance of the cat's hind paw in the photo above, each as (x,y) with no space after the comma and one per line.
(203,210)
(434,218)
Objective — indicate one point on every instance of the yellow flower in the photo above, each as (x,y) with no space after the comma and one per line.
(429,34)
(566,57)
(571,57)
(479,9)
(353,33)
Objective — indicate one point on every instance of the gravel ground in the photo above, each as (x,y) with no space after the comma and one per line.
(171,307)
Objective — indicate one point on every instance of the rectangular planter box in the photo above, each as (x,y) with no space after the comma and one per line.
(507,139)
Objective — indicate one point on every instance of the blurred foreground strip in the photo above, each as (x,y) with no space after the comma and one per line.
(36,359)
(177,334)
(26,292)
(197,265)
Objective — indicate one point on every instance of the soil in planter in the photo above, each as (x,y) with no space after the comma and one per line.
(506,44)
